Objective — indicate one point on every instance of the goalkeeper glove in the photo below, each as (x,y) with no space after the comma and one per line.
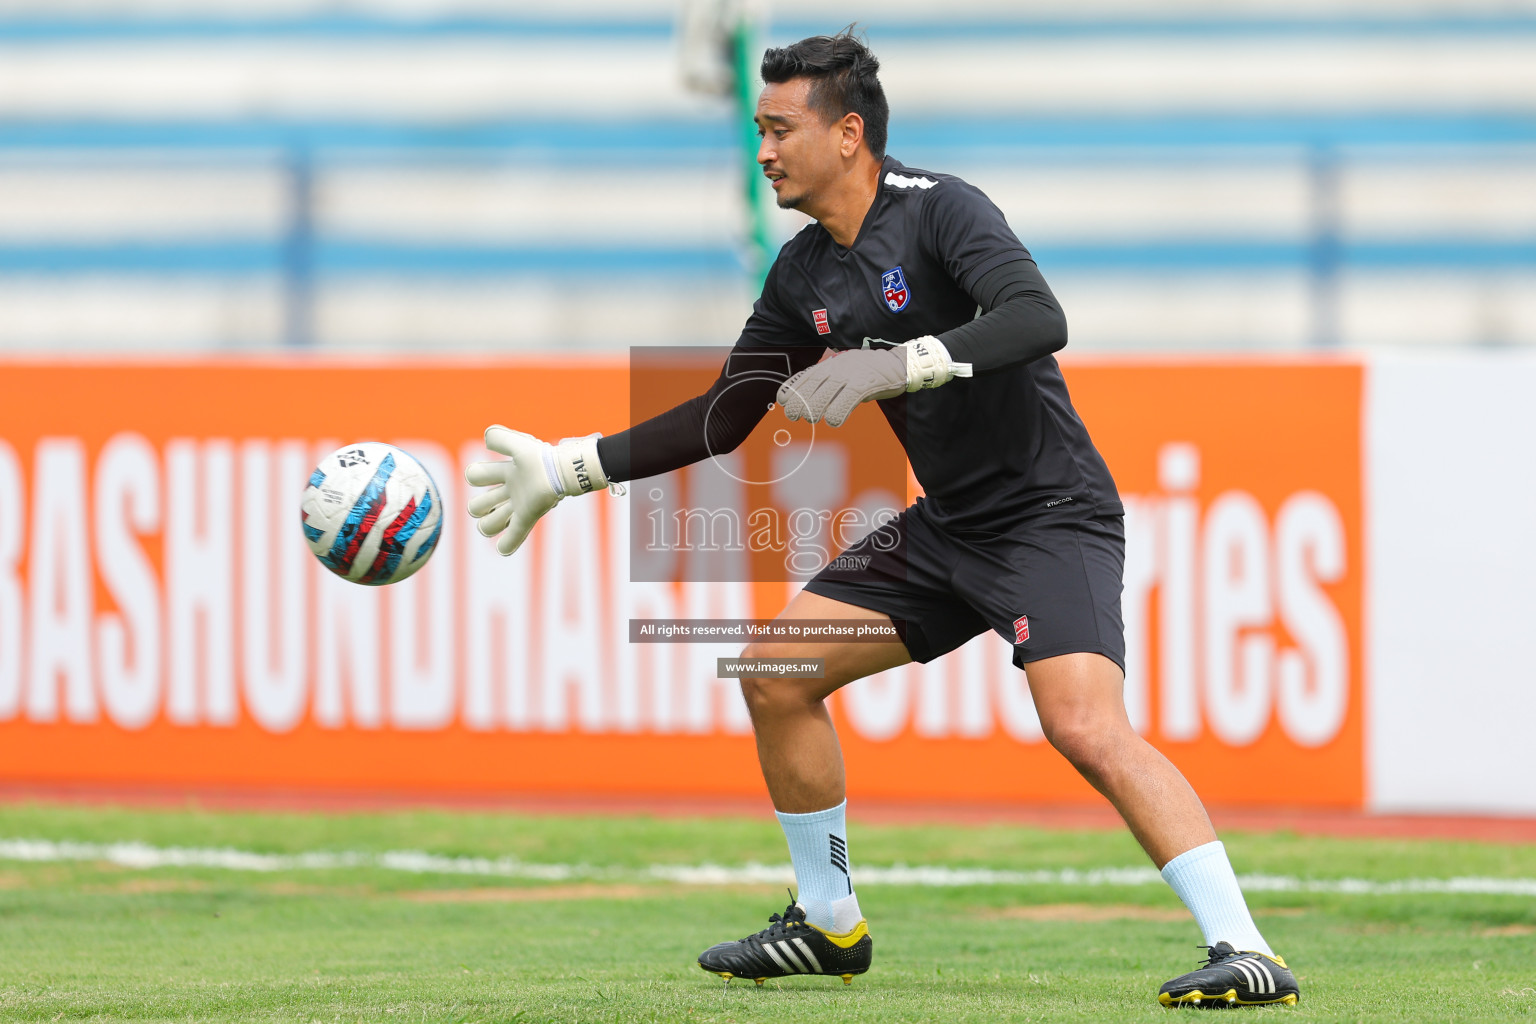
(832,388)
(529,482)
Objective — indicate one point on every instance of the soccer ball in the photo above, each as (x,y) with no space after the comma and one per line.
(372,514)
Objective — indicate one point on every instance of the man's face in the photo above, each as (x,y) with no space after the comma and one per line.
(800,153)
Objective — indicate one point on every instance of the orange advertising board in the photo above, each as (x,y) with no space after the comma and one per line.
(1243,602)
(161,621)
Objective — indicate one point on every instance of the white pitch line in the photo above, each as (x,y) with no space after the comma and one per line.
(143,856)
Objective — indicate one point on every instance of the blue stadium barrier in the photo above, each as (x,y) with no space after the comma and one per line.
(362,25)
(375,258)
(615,141)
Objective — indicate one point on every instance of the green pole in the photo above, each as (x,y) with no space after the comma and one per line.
(745,53)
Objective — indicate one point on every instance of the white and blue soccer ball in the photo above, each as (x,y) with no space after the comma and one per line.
(372,514)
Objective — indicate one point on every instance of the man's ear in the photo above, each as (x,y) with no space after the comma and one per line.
(853,134)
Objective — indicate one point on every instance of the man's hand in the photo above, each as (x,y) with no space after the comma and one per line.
(834,387)
(529,482)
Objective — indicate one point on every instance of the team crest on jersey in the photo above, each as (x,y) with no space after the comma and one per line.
(893,285)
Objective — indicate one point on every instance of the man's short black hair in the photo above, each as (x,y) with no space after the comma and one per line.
(844,80)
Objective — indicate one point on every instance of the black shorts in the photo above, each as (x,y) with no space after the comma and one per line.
(1050,587)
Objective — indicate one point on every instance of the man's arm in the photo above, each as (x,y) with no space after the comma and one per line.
(714,423)
(1021,320)
(535,476)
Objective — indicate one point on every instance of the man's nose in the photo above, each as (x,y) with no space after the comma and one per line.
(765,151)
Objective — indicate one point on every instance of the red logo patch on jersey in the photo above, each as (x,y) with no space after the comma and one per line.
(822,326)
(1021,629)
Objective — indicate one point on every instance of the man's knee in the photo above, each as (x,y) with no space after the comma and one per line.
(767,693)
(1090,741)
(1082,709)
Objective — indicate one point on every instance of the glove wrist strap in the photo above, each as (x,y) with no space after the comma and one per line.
(574,467)
(929,364)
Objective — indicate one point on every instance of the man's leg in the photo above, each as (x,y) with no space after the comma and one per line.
(1082,710)
(803,766)
(796,744)
(803,763)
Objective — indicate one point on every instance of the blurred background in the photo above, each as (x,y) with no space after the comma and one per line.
(474,175)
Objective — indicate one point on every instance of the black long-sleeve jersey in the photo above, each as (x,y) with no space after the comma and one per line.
(934,256)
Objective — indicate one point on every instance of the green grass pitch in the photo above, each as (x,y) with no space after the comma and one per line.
(84,940)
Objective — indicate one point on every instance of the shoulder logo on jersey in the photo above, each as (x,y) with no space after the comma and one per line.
(822,326)
(893,285)
(902,181)
(1021,629)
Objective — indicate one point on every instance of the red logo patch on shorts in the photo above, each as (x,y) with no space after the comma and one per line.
(1021,629)
(822,326)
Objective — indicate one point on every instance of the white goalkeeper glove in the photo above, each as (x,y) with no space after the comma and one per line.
(529,482)
(834,387)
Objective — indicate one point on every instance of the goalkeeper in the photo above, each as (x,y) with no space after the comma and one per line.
(933,309)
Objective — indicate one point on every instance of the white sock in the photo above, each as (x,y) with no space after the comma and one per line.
(818,847)
(1203,879)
